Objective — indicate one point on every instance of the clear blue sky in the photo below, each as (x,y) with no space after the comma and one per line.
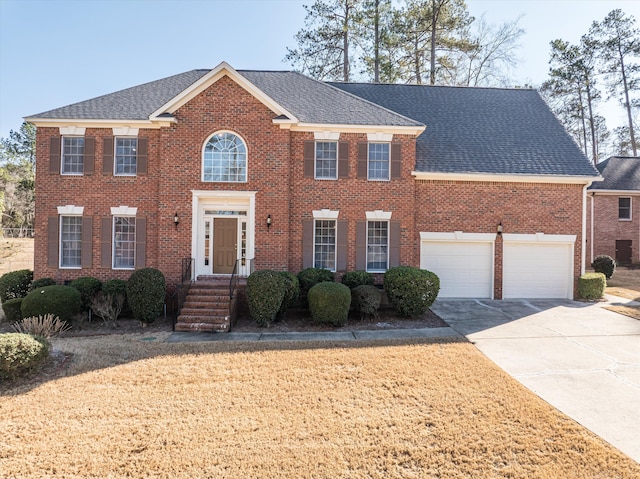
(55,52)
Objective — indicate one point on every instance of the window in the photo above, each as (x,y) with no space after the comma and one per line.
(72,155)
(125,156)
(324,249)
(124,242)
(377,246)
(326,160)
(624,208)
(378,164)
(71,241)
(224,159)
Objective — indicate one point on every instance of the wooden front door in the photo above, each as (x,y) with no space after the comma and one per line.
(623,251)
(225,245)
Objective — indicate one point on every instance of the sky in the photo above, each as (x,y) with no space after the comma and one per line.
(57,52)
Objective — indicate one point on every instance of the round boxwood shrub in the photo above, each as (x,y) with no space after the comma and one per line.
(604,264)
(20,353)
(329,302)
(309,278)
(41,283)
(146,289)
(365,299)
(88,288)
(411,290)
(357,278)
(591,286)
(12,309)
(61,301)
(291,292)
(15,284)
(266,291)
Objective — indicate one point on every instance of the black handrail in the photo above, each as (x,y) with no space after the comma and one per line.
(180,294)
(235,275)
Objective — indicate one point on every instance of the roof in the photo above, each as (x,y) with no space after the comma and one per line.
(481,130)
(620,173)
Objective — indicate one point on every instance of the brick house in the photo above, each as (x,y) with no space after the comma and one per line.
(275,170)
(613,211)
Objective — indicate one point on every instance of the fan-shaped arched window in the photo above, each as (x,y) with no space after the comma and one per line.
(224,158)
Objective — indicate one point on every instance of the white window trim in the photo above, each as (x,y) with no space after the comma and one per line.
(380,219)
(125,131)
(326,135)
(380,137)
(388,162)
(72,130)
(68,211)
(246,148)
(325,214)
(124,211)
(630,218)
(335,244)
(315,160)
(62,172)
(378,215)
(115,154)
(113,237)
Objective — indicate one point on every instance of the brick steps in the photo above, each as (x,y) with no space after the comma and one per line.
(206,307)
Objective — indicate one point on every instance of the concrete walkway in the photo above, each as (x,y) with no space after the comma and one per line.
(580,358)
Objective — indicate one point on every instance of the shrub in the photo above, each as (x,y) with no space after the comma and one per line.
(266,291)
(365,299)
(61,301)
(411,290)
(604,264)
(329,302)
(109,301)
(20,353)
(15,284)
(146,292)
(591,285)
(11,309)
(357,278)
(46,326)
(41,283)
(309,278)
(291,292)
(88,288)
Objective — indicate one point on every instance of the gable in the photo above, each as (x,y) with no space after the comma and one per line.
(620,173)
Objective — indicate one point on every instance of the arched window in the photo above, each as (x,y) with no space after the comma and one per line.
(224,158)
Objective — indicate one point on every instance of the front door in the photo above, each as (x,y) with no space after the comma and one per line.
(623,251)
(225,245)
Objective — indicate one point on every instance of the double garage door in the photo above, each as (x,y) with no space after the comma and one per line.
(534,266)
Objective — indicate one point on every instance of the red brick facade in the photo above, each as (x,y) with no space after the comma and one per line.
(276,175)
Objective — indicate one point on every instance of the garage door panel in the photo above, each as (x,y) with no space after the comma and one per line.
(465,269)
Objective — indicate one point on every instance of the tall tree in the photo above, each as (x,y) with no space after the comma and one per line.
(618,44)
(324,48)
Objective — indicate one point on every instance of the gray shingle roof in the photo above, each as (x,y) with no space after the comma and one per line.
(620,173)
(135,103)
(481,130)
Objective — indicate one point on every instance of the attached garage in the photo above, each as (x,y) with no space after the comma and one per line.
(462,261)
(538,266)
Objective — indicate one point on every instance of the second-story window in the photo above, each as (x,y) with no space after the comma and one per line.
(326,160)
(125,156)
(624,208)
(72,162)
(378,164)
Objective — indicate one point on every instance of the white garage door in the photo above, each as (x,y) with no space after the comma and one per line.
(465,268)
(537,270)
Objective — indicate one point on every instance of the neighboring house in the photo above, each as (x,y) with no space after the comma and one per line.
(275,170)
(613,211)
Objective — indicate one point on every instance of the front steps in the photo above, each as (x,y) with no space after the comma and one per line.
(206,308)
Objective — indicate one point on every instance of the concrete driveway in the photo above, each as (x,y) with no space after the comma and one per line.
(582,359)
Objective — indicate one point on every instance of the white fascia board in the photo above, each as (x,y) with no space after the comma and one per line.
(57,122)
(614,192)
(390,129)
(223,69)
(577,180)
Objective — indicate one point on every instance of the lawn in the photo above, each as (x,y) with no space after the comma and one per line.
(129,406)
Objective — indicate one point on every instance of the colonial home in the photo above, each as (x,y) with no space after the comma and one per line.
(613,211)
(241,170)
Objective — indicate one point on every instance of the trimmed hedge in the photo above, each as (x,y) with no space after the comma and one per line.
(15,284)
(41,283)
(61,301)
(88,288)
(309,278)
(357,278)
(146,290)
(365,300)
(266,292)
(20,353)
(591,286)
(604,264)
(329,302)
(411,290)
(291,292)
(109,301)
(12,310)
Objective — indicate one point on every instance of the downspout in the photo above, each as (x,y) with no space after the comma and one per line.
(583,250)
(593,200)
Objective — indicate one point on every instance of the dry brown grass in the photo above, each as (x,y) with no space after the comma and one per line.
(631,311)
(123,407)
(15,254)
